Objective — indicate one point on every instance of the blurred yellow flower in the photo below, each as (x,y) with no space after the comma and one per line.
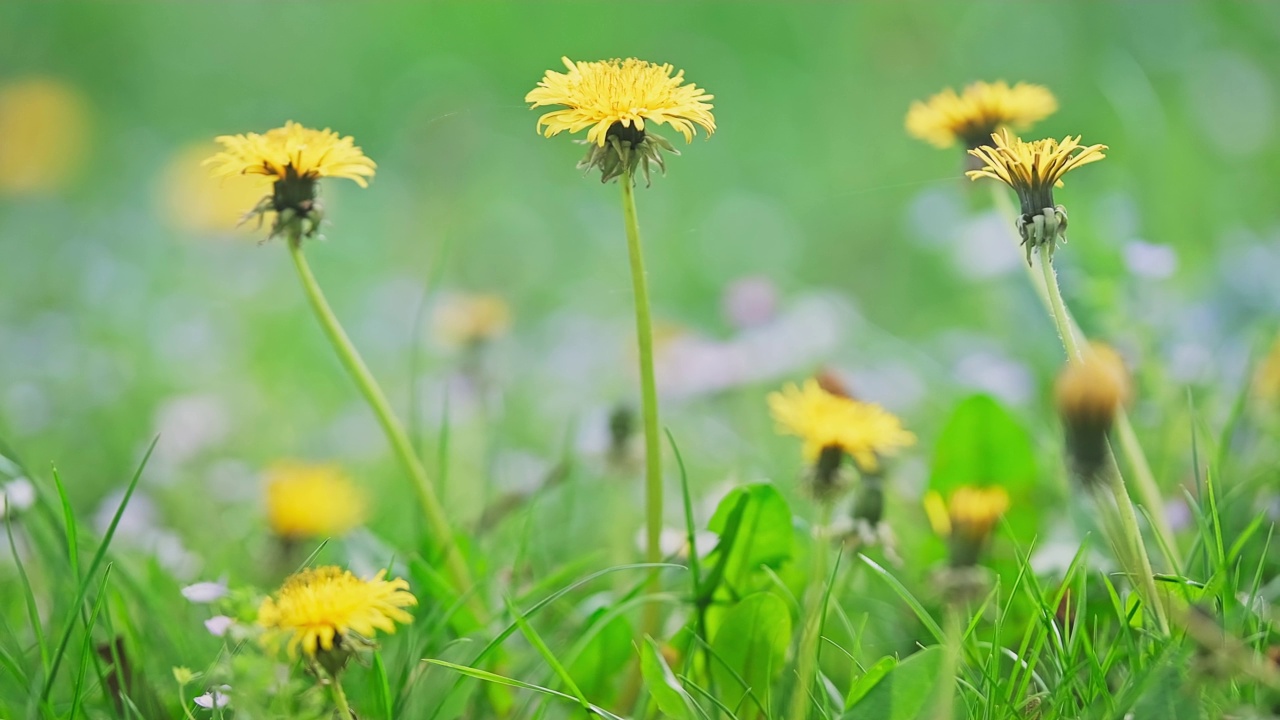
(319,609)
(1266,379)
(464,320)
(967,519)
(44,131)
(305,500)
(196,202)
(599,95)
(290,152)
(979,110)
(1089,392)
(821,419)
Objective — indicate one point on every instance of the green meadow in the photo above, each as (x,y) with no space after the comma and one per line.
(865,438)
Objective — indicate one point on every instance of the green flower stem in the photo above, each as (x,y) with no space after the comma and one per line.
(1132,549)
(649,402)
(339,698)
(1144,479)
(810,641)
(437,521)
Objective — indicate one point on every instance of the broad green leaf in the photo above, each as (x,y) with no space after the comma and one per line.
(984,444)
(605,656)
(750,647)
(906,692)
(672,699)
(869,679)
(754,525)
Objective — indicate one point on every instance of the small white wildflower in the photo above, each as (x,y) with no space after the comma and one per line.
(218,625)
(215,698)
(205,592)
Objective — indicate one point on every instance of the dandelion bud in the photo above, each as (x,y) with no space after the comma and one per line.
(1088,393)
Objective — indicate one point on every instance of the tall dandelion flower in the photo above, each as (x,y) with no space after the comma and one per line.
(618,102)
(295,158)
(1033,170)
(312,500)
(612,100)
(832,426)
(982,108)
(329,611)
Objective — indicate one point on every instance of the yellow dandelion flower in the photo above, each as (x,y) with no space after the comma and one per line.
(977,111)
(465,320)
(326,608)
(196,202)
(44,131)
(612,100)
(966,519)
(306,501)
(1033,170)
(823,420)
(294,157)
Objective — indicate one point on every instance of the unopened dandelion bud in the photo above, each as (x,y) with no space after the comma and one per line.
(1089,392)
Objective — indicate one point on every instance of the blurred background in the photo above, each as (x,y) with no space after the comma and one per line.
(809,232)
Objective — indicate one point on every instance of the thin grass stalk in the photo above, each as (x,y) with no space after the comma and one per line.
(437,521)
(808,654)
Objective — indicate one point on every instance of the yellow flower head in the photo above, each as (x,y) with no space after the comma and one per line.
(466,320)
(295,157)
(822,420)
(612,100)
(44,132)
(1266,379)
(979,110)
(967,519)
(319,609)
(305,501)
(1033,170)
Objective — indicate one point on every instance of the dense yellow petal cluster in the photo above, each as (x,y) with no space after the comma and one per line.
(316,608)
(979,110)
(822,419)
(293,151)
(305,500)
(599,95)
(1034,168)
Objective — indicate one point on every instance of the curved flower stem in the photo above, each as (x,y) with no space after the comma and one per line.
(339,698)
(437,521)
(810,641)
(1046,288)
(649,402)
(1130,546)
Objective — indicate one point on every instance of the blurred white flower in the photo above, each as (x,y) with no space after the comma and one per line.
(1149,260)
(985,248)
(16,495)
(187,425)
(218,624)
(215,698)
(995,373)
(205,592)
(750,302)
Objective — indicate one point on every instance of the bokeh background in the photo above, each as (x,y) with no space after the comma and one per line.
(809,232)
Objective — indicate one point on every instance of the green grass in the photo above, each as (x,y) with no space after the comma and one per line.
(117,324)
